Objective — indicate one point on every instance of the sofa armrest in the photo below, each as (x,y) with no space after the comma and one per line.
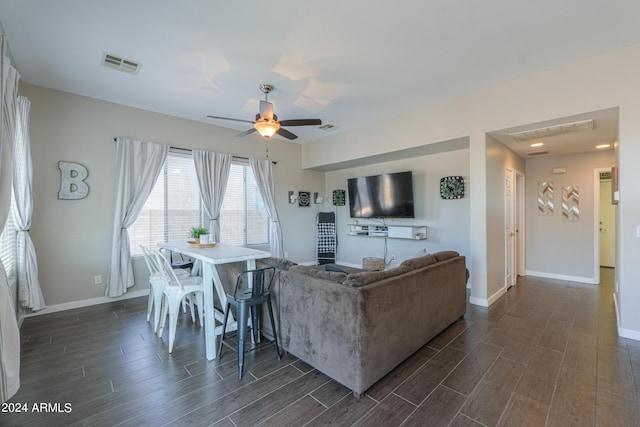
(321,324)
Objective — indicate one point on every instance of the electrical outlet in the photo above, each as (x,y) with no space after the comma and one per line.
(97,280)
(286,254)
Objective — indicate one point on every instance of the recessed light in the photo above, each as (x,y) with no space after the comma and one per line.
(603,146)
(537,144)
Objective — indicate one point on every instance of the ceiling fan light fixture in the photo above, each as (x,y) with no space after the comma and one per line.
(267,128)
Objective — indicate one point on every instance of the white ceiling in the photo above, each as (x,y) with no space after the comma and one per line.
(348,63)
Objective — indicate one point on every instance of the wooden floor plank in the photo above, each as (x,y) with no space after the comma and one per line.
(546,353)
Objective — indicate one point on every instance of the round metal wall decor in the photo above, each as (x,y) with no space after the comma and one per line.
(452,187)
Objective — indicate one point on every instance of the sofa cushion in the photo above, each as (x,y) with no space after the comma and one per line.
(443,255)
(419,262)
(368,277)
(320,272)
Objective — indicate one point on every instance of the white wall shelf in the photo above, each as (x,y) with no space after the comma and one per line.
(412,232)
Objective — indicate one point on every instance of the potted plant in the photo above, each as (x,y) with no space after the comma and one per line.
(196,232)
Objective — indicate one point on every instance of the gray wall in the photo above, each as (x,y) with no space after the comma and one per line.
(612,81)
(447,221)
(73,237)
(499,158)
(556,247)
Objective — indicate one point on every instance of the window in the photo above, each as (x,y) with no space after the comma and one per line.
(174,206)
(8,241)
(243,217)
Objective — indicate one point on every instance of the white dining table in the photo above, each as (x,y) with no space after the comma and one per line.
(220,253)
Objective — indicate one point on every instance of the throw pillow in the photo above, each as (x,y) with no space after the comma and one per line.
(421,252)
(320,273)
(419,262)
(443,255)
(368,277)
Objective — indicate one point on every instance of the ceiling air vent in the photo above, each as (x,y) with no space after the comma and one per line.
(540,133)
(120,64)
(328,127)
(537,153)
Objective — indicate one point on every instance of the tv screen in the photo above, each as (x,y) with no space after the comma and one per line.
(381,196)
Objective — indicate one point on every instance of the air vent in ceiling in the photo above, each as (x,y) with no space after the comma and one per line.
(328,127)
(120,64)
(537,153)
(540,133)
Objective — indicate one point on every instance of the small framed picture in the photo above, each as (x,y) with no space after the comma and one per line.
(338,197)
(304,199)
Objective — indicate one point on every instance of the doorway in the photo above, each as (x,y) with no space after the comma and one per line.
(514,226)
(605,222)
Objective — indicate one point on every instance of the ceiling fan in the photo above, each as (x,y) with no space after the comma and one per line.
(267,123)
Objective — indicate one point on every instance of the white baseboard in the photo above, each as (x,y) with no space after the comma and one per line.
(487,302)
(87,302)
(588,280)
(622,332)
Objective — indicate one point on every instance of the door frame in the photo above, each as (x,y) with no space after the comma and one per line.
(596,224)
(521,235)
(519,225)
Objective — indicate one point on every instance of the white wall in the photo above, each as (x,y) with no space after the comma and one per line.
(499,158)
(597,83)
(447,221)
(73,237)
(557,248)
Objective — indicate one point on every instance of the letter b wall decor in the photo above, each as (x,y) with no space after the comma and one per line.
(72,185)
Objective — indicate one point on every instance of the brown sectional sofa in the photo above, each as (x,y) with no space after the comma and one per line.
(356,327)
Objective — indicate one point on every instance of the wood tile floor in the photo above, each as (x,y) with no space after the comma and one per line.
(546,353)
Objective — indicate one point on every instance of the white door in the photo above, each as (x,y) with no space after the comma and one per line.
(510,235)
(607,226)
(520,225)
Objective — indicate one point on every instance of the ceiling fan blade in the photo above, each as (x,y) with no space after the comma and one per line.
(246,132)
(227,118)
(266,110)
(301,122)
(286,134)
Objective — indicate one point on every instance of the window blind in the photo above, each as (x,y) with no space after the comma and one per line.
(172,208)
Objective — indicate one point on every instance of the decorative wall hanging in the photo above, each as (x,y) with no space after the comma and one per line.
(304,199)
(452,187)
(72,185)
(292,198)
(570,204)
(545,198)
(317,198)
(338,197)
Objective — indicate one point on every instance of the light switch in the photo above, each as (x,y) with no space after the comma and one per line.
(638,231)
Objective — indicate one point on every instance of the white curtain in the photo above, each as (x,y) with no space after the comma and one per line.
(138,165)
(9,332)
(212,170)
(263,173)
(29,292)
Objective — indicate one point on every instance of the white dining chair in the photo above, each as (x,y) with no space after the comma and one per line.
(174,291)
(155,287)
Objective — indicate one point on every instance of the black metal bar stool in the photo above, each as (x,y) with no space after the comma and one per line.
(253,288)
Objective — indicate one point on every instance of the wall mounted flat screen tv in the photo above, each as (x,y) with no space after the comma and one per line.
(388,195)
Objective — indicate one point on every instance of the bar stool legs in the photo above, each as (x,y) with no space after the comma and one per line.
(243,310)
